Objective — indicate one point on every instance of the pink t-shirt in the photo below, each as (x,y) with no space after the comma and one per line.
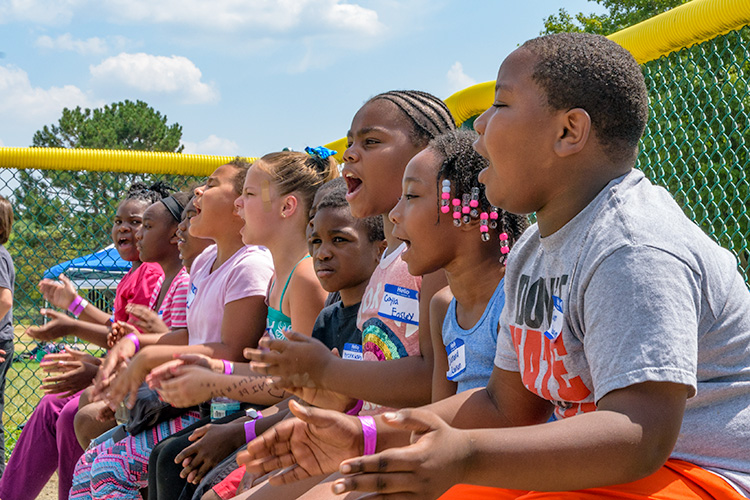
(173,309)
(389,315)
(245,274)
(136,287)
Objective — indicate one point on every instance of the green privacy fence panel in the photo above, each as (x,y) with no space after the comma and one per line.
(695,146)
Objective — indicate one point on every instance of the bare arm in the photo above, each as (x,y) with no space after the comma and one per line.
(441,386)
(6,301)
(306,298)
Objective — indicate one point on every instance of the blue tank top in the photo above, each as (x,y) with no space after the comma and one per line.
(276,321)
(471,353)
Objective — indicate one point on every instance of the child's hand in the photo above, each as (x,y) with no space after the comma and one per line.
(212,444)
(297,362)
(166,371)
(427,468)
(58,326)
(50,361)
(76,371)
(323,398)
(118,330)
(146,319)
(58,293)
(189,386)
(317,441)
(2,356)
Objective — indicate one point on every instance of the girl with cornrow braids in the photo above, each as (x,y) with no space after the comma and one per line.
(48,441)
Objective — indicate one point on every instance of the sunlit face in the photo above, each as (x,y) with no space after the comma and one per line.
(257,206)
(343,256)
(189,246)
(128,219)
(379,147)
(429,234)
(154,239)
(517,135)
(214,204)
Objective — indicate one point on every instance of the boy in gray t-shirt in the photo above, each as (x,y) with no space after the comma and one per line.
(621,316)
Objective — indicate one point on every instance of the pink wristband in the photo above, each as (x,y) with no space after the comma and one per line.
(73,307)
(228,367)
(134,338)
(250,429)
(370,433)
(356,408)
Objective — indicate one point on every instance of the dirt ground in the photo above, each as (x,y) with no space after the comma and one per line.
(50,490)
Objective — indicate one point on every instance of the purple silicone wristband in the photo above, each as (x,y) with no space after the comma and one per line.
(74,305)
(356,408)
(134,338)
(228,367)
(250,429)
(370,433)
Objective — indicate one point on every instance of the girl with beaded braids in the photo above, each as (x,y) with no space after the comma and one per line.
(469,245)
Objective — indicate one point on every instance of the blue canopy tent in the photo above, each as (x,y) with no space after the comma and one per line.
(101,270)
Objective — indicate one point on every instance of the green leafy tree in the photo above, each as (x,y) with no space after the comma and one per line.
(695,140)
(622,14)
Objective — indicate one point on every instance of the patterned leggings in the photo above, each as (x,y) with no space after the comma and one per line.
(119,470)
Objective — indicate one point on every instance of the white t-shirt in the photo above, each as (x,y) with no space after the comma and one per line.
(628,291)
(245,274)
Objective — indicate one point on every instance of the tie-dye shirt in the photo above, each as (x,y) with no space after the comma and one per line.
(389,315)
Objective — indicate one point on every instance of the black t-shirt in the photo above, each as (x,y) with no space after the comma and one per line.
(336,326)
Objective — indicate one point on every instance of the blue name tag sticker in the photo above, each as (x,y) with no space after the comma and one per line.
(556,325)
(191,295)
(400,304)
(352,351)
(456,351)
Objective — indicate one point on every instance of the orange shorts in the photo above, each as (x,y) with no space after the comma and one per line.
(676,480)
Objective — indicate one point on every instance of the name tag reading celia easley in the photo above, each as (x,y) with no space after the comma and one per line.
(400,304)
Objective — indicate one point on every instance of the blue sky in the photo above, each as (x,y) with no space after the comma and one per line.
(248,76)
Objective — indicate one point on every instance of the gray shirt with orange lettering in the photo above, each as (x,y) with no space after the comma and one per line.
(629,291)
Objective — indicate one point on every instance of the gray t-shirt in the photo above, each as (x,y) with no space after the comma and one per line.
(7,280)
(644,295)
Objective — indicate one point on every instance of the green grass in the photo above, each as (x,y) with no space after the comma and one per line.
(22,393)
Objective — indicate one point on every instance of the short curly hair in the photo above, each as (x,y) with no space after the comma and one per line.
(581,70)
(334,197)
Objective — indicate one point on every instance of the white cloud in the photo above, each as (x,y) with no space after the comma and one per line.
(212,145)
(66,42)
(28,104)
(323,16)
(457,79)
(160,74)
(44,12)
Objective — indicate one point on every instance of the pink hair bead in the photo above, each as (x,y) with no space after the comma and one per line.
(474,203)
(503,236)
(456,202)
(445,196)
(456,215)
(445,209)
(493,215)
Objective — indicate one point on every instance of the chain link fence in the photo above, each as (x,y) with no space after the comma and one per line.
(695,146)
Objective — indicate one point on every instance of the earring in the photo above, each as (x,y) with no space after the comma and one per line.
(484,230)
(456,211)
(474,203)
(465,209)
(494,214)
(445,196)
(504,248)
